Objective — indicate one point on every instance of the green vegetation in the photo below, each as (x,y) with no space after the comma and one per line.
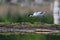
(32,37)
(29,37)
(17,18)
(53,37)
(48,19)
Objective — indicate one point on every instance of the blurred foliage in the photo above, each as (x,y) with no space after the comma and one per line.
(29,37)
(17,18)
(48,19)
(22,37)
(53,37)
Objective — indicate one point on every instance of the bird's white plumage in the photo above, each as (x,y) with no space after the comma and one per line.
(38,14)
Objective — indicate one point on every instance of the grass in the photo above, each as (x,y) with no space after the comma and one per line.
(29,36)
(33,37)
(22,37)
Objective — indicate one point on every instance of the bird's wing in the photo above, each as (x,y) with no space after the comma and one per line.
(35,13)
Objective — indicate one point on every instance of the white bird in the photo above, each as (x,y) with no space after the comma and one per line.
(37,14)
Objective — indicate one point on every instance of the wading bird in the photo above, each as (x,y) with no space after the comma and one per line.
(37,14)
